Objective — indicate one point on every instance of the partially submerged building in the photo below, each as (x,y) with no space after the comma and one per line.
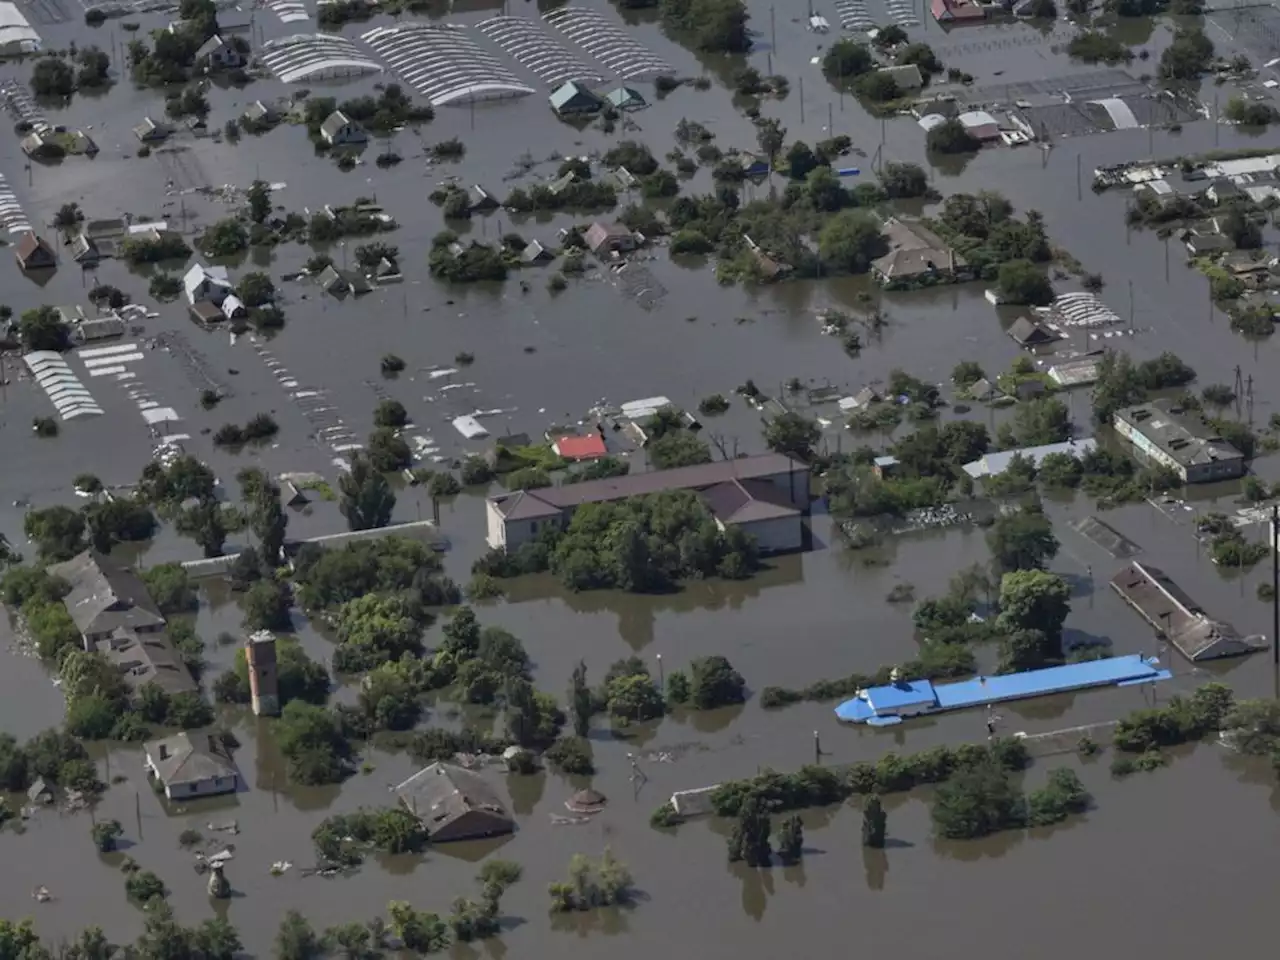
(997,462)
(605,238)
(1026,332)
(339,130)
(761,495)
(917,256)
(1185,442)
(1177,618)
(453,803)
(195,764)
(34,253)
(573,99)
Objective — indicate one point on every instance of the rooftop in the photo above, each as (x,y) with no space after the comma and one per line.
(189,758)
(1171,612)
(105,596)
(914,250)
(148,658)
(442,793)
(747,501)
(994,464)
(550,501)
(1189,439)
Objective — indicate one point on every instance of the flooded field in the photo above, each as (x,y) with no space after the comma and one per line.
(543,358)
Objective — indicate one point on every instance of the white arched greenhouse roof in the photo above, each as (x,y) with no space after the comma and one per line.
(606,43)
(16,34)
(305,57)
(443,64)
(540,54)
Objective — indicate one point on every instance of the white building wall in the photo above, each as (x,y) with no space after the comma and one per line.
(779,535)
(497,526)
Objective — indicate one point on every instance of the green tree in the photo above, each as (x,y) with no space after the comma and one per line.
(678,448)
(205,523)
(846,60)
(390,413)
(793,434)
(1033,607)
(951,136)
(749,839)
(259,198)
(266,606)
(1022,541)
(1041,421)
(904,180)
(105,833)
(770,136)
(42,328)
(352,940)
(388,451)
(580,700)
(874,823)
(1021,281)
(216,939)
(849,241)
(256,289)
(634,698)
(800,160)
(225,238)
(296,939)
(366,497)
(975,802)
(791,840)
(714,683)
(1188,56)
(57,532)
(53,77)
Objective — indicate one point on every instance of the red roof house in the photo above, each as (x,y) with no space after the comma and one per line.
(957,11)
(589,447)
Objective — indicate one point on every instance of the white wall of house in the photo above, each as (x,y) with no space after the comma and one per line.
(497,526)
(202,788)
(779,535)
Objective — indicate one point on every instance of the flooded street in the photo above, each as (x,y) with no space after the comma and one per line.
(544,358)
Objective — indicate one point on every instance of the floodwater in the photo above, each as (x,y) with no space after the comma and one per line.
(544,359)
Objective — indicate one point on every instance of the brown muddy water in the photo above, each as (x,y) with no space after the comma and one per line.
(1108,878)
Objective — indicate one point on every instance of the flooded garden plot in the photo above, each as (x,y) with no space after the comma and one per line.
(443,64)
(604,41)
(536,51)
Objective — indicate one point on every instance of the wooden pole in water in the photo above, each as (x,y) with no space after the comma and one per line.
(817,748)
(802,99)
(1079,188)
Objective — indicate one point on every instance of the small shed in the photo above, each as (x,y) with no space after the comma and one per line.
(625,98)
(480,200)
(1028,333)
(573,99)
(34,253)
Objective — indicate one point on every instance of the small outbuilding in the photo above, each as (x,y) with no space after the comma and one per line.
(574,100)
(1027,333)
(587,447)
(148,131)
(339,130)
(625,98)
(602,238)
(34,253)
(218,54)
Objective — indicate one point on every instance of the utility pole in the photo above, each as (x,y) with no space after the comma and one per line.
(802,99)
(831,124)
(1079,188)
(773,29)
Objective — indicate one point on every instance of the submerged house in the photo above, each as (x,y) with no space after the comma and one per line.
(574,100)
(625,98)
(1025,332)
(34,253)
(453,803)
(191,764)
(917,256)
(339,130)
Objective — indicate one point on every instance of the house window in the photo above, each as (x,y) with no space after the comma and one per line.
(533,527)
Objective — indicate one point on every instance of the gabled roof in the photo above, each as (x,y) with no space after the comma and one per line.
(199,275)
(625,98)
(442,794)
(588,447)
(334,124)
(194,757)
(599,234)
(526,505)
(259,111)
(1028,333)
(747,501)
(146,658)
(84,250)
(105,596)
(34,251)
(210,47)
(535,252)
(574,96)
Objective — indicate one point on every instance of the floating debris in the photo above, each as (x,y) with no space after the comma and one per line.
(586,802)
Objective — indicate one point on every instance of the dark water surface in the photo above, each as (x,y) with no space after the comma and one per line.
(1109,878)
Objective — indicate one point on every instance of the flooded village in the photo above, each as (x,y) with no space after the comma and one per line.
(524,478)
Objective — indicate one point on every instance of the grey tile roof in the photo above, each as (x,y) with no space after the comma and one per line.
(148,658)
(442,793)
(747,501)
(192,757)
(105,596)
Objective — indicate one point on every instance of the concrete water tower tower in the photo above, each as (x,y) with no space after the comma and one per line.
(264,692)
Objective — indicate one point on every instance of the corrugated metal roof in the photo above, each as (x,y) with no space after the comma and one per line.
(994,464)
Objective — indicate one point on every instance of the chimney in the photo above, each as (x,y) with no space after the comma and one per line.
(260,655)
(164,751)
